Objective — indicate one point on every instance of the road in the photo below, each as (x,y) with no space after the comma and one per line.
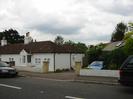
(37,88)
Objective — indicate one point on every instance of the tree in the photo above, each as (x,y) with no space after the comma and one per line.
(128,35)
(12,36)
(82,47)
(119,31)
(70,42)
(128,48)
(59,40)
(115,59)
(94,53)
(130,26)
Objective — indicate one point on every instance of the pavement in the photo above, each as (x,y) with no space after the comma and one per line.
(71,76)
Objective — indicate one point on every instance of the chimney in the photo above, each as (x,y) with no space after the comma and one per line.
(3,41)
(27,38)
(27,34)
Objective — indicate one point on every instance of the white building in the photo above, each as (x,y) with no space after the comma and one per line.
(31,55)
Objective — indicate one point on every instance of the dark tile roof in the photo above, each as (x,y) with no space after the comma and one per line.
(38,47)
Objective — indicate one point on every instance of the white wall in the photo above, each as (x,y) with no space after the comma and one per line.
(104,73)
(33,65)
(62,61)
(42,58)
(14,56)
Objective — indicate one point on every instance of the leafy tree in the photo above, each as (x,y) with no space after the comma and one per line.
(119,31)
(81,46)
(128,48)
(59,40)
(128,35)
(12,36)
(70,42)
(115,59)
(130,26)
(118,56)
(94,53)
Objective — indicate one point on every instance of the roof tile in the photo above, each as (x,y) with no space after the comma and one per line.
(38,47)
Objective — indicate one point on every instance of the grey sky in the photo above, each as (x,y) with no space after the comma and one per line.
(87,21)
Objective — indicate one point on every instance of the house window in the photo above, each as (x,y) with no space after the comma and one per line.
(11,59)
(29,58)
(37,60)
(23,59)
(74,57)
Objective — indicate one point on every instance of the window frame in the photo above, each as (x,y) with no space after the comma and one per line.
(38,60)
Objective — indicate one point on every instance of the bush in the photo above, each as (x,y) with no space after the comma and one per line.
(114,59)
(85,61)
(128,48)
(113,67)
(58,70)
(62,70)
(66,69)
(93,54)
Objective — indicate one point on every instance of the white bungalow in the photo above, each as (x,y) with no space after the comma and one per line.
(31,55)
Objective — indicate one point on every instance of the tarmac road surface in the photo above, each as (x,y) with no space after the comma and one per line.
(38,88)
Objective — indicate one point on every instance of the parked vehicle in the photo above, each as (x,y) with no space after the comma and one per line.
(98,65)
(126,72)
(6,70)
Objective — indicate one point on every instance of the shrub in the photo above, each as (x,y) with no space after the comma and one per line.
(114,59)
(61,70)
(58,70)
(66,69)
(113,67)
(128,48)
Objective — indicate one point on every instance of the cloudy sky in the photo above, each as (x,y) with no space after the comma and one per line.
(87,21)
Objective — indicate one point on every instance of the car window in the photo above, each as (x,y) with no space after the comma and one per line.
(96,63)
(130,63)
(2,64)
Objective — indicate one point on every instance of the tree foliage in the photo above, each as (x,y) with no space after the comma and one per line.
(81,46)
(119,31)
(115,59)
(69,42)
(12,36)
(59,40)
(128,48)
(128,35)
(130,26)
(94,53)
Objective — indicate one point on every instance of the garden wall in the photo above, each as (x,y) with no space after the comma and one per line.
(104,73)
